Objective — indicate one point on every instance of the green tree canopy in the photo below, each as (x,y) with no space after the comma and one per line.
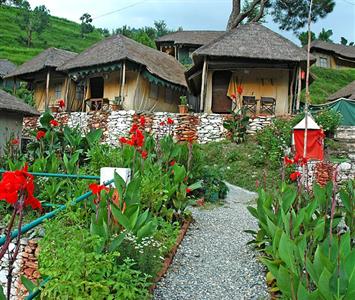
(85,25)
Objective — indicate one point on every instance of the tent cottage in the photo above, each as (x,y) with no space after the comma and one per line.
(315,139)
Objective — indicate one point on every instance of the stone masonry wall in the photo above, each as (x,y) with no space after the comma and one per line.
(202,127)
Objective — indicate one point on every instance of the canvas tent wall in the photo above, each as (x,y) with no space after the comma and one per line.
(315,137)
(345,107)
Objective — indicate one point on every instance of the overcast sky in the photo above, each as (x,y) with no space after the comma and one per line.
(190,14)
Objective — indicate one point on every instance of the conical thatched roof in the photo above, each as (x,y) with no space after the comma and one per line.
(342,50)
(6,67)
(10,103)
(347,92)
(253,41)
(194,37)
(51,57)
(118,48)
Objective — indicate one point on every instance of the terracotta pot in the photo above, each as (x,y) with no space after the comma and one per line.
(54,109)
(183,109)
(116,107)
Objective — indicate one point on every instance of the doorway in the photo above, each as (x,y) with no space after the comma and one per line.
(97,87)
(221,103)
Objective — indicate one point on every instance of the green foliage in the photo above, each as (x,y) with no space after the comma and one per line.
(329,120)
(273,140)
(68,255)
(85,25)
(304,248)
(328,81)
(237,125)
(61,33)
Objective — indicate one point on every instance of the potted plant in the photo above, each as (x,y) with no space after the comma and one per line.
(54,108)
(183,108)
(117,104)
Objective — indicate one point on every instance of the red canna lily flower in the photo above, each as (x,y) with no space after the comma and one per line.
(61,103)
(240,89)
(233,96)
(40,134)
(299,159)
(15,142)
(172,163)
(162,123)
(54,123)
(170,121)
(144,154)
(188,190)
(96,189)
(142,121)
(123,140)
(295,175)
(134,128)
(288,161)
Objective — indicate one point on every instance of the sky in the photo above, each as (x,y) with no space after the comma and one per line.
(190,14)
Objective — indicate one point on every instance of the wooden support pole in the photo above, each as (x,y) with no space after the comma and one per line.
(203,85)
(47,90)
(66,100)
(14,86)
(123,83)
(291,91)
(299,88)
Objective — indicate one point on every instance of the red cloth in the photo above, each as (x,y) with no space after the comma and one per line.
(315,143)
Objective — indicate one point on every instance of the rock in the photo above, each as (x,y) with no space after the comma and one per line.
(345,166)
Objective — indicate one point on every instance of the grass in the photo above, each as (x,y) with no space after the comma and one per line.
(61,33)
(237,165)
(327,82)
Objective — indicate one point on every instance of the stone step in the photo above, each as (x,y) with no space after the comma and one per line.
(345,132)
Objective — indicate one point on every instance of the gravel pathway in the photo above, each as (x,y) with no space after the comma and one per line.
(213,261)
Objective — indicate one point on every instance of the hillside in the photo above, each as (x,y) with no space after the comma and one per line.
(61,34)
(328,81)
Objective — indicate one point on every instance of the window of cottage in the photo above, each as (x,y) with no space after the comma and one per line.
(323,62)
(58,91)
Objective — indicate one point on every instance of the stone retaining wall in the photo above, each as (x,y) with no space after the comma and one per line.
(202,127)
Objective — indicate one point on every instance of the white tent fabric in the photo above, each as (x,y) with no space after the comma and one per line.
(311,124)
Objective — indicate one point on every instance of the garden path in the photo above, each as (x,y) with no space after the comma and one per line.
(213,262)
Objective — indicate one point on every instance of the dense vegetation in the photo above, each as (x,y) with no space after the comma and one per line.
(328,81)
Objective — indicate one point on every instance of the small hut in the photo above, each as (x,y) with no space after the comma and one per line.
(6,67)
(12,111)
(121,71)
(48,84)
(315,139)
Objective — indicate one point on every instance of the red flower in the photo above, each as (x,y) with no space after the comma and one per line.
(137,138)
(40,134)
(170,121)
(15,142)
(142,121)
(188,191)
(240,89)
(295,175)
(134,128)
(172,163)
(54,123)
(288,161)
(144,154)
(17,183)
(299,159)
(96,189)
(123,140)
(61,103)
(233,96)
(162,123)
(200,202)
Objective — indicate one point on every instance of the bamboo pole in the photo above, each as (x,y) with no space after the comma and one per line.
(47,90)
(299,88)
(290,103)
(67,93)
(123,83)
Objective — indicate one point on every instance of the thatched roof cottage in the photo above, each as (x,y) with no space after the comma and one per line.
(347,92)
(266,65)
(181,44)
(48,84)
(6,67)
(335,56)
(12,111)
(119,69)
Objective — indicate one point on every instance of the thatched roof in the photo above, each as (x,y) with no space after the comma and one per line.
(49,58)
(342,50)
(346,92)
(119,48)
(6,67)
(9,103)
(195,37)
(253,41)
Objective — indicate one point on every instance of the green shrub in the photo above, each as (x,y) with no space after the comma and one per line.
(329,120)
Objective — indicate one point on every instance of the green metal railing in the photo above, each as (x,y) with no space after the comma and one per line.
(49,215)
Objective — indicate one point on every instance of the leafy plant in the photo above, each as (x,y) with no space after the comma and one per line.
(237,125)
(329,120)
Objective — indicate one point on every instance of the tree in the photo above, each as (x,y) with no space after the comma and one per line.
(325,35)
(86,27)
(303,37)
(289,14)
(161,28)
(33,21)
(104,32)
(344,42)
